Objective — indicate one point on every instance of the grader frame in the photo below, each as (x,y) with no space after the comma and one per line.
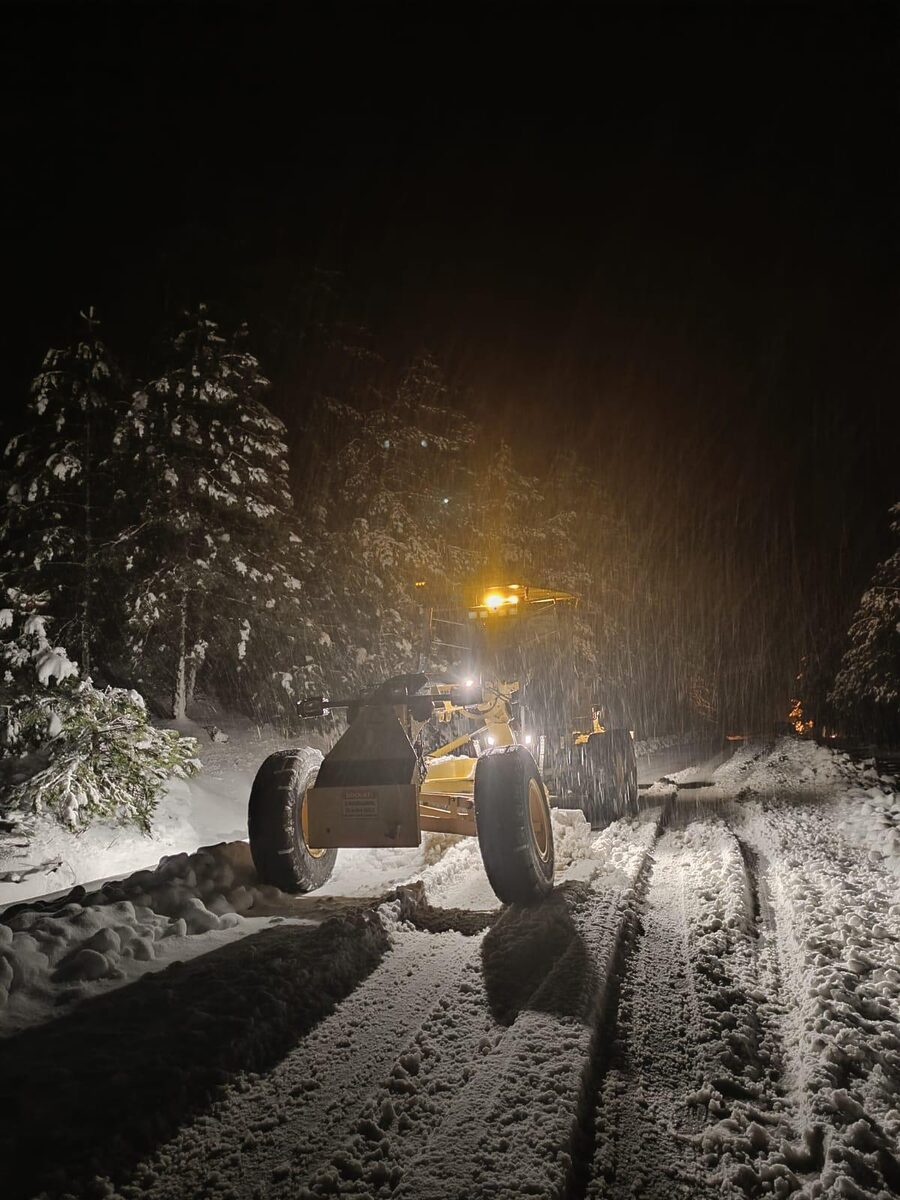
(378,786)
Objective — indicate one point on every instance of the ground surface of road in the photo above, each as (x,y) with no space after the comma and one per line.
(707,1005)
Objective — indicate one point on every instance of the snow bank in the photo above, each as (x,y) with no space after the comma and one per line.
(653,745)
(93,1091)
(867,802)
(791,765)
(185,906)
(870,817)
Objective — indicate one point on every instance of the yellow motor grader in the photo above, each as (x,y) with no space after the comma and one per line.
(379,787)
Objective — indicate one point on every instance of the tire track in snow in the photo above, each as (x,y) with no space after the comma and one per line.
(459,1068)
(511,1130)
(645,1082)
(692,1097)
(458,1102)
(272,1129)
(487,1098)
(838,946)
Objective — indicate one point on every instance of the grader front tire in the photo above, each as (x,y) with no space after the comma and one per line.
(277,840)
(512,816)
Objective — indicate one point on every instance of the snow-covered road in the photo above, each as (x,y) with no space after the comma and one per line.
(707,1005)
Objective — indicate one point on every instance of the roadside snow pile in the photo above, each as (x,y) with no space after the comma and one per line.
(572,836)
(870,817)
(53,957)
(791,765)
(90,1093)
(666,741)
(867,803)
(606,859)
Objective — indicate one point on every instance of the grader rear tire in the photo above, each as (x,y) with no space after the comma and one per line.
(277,841)
(610,778)
(630,790)
(512,815)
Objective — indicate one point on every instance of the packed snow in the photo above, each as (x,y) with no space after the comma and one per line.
(707,1005)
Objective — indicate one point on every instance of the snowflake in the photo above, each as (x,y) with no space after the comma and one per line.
(243,638)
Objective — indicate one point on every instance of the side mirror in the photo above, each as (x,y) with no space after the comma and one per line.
(313,706)
(466,696)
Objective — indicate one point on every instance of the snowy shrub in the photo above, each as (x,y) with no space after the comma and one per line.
(79,753)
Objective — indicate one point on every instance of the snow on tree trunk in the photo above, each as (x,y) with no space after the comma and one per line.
(179,696)
(86,614)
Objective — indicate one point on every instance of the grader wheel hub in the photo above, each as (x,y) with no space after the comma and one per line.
(304,829)
(540,826)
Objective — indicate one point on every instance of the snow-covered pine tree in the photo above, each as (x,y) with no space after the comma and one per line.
(56,486)
(393,506)
(867,686)
(528,530)
(405,478)
(210,558)
(67,748)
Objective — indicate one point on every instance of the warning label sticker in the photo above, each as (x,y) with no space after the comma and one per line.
(360,802)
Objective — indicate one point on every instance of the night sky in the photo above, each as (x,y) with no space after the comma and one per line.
(665,234)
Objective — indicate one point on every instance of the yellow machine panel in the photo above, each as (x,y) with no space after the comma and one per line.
(450,775)
(379,816)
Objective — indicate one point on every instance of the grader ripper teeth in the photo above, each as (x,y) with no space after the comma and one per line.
(378,787)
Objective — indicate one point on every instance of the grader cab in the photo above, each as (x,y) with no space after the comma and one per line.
(384,781)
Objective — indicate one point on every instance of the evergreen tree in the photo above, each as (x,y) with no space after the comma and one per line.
(57,487)
(393,507)
(867,686)
(528,532)
(210,558)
